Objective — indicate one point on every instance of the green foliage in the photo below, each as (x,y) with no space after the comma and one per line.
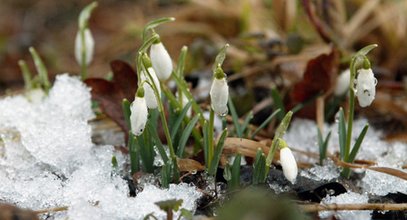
(259,168)
(281,129)
(323,145)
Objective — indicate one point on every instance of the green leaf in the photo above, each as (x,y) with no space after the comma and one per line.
(186,214)
(323,146)
(41,69)
(172,204)
(364,51)
(281,129)
(278,103)
(179,120)
(205,128)
(185,135)
(166,174)
(235,181)
(85,15)
(134,156)
(154,23)
(114,162)
(126,112)
(227,173)
(357,144)
(220,58)
(218,152)
(265,122)
(259,168)
(28,84)
(246,122)
(181,61)
(157,142)
(235,118)
(342,133)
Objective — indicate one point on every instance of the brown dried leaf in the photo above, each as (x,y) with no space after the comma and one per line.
(189,165)
(110,94)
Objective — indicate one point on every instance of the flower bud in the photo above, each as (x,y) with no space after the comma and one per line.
(139,113)
(342,83)
(365,87)
(89,47)
(219,93)
(161,60)
(289,164)
(150,97)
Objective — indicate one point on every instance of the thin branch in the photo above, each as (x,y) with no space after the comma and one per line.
(367,206)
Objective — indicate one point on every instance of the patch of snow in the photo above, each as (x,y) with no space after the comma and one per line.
(47,160)
(346,198)
(327,172)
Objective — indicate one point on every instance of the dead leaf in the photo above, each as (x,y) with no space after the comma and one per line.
(110,94)
(189,165)
(10,212)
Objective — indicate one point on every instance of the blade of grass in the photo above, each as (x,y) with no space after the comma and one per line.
(278,103)
(41,69)
(179,120)
(265,123)
(158,143)
(235,181)
(235,118)
(134,157)
(259,168)
(126,112)
(27,76)
(357,144)
(205,143)
(342,133)
(281,129)
(246,122)
(323,145)
(186,134)
(218,152)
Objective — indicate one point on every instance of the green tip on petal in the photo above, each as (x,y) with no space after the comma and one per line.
(366,63)
(282,144)
(146,60)
(219,74)
(140,92)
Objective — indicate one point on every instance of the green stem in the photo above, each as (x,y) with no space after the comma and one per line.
(210,135)
(84,71)
(351,111)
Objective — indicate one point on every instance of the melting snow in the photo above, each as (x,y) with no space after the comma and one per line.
(47,159)
(346,198)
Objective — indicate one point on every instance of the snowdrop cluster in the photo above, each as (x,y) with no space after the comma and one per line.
(219,93)
(365,87)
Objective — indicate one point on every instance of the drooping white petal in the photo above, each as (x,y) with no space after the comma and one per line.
(161,61)
(149,95)
(219,96)
(342,83)
(289,164)
(138,116)
(89,44)
(365,87)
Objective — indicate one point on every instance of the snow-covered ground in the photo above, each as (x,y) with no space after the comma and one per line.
(47,159)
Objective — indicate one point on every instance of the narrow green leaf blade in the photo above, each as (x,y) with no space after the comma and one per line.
(265,122)
(235,117)
(185,135)
(357,144)
(342,133)
(218,152)
(179,120)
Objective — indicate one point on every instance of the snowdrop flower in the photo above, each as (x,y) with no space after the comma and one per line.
(151,99)
(219,93)
(342,83)
(139,113)
(161,60)
(289,164)
(89,46)
(365,87)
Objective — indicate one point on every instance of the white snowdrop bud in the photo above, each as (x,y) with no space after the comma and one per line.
(150,97)
(342,83)
(219,93)
(365,87)
(289,164)
(89,47)
(161,60)
(139,113)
